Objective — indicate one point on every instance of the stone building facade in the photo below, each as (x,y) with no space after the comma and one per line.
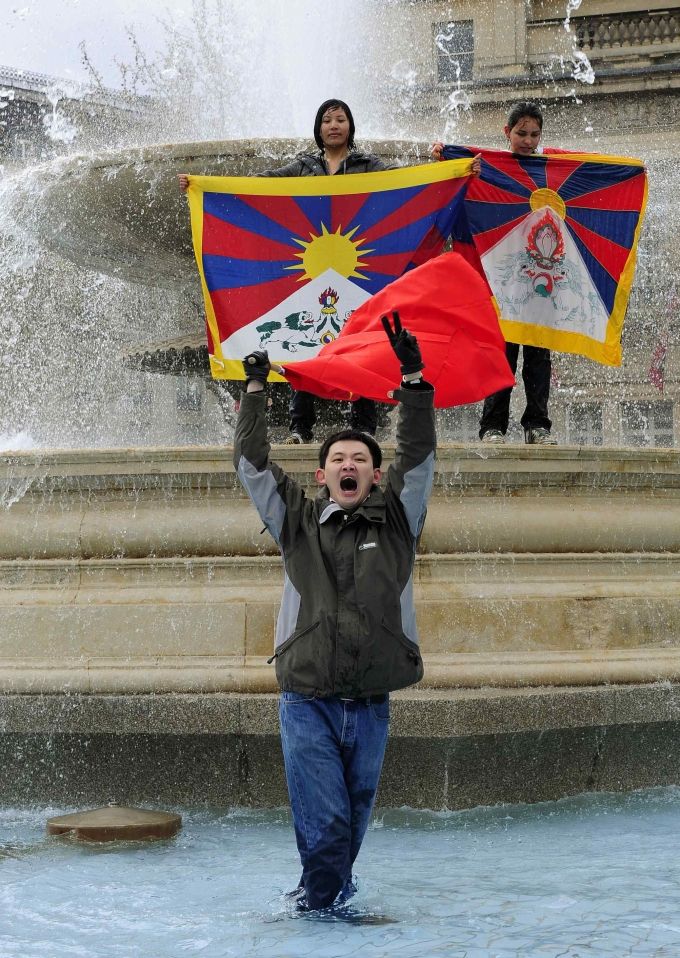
(43,116)
(607,73)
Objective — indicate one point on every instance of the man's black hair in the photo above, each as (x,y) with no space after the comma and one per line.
(328,105)
(525,108)
(354,435)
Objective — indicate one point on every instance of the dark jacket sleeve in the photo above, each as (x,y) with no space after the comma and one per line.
(304,164)
(278,498)
(375,165)
(294,168)
(409,478)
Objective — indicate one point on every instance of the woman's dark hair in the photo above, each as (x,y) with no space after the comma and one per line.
(329,105)
(525,108)
(356,436)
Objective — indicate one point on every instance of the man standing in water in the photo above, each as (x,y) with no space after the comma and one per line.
(346,634)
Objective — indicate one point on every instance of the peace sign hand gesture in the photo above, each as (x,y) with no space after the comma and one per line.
(404,344)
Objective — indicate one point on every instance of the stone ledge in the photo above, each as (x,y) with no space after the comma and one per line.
(213,580)
(211,525)
(453,749)
(455,461)
(416,713)
(164,503)
(189,675)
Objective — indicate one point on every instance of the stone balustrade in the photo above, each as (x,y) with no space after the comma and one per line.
(624,30)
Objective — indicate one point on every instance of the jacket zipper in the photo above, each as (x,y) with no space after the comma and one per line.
(291,641)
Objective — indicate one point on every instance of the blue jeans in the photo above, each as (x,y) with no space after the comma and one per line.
(333,752)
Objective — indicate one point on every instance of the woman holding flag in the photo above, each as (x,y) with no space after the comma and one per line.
(334,131)
(334,135)
(523,131)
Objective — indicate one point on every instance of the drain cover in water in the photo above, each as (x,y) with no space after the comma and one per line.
(115,823)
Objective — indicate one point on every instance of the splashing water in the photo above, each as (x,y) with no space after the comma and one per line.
(58,127)
(226,70)
(66,328)
(582,70)
(17,442)
(458,101)
(571,6)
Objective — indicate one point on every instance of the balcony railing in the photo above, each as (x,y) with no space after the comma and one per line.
(626,30)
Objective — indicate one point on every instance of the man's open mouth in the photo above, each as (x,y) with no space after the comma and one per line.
(348,484)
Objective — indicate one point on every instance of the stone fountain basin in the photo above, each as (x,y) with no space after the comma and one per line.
(138,600)
(558,567)
(124,215)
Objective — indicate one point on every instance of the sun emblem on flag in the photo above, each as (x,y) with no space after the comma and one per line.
(331,250)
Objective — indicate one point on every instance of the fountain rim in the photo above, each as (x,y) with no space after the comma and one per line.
(262,147)
(599,460)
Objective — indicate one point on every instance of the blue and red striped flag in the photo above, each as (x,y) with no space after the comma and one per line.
(556,236)
(285,261)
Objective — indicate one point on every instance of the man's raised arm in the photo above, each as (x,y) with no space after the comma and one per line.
(410,477)
(276,496)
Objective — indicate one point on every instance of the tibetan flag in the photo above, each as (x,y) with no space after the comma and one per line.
(557,235)
(284,261)
(446,304)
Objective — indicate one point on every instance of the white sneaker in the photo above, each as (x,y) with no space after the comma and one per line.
(493,436)
(539,437)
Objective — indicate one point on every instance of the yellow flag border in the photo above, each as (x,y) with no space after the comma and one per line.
(400,178)
(608,353)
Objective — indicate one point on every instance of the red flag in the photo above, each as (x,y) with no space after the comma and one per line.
(447,306)
(658,365)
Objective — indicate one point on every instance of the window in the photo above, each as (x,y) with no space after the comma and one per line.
(454,47)
(584,424)
(647,423)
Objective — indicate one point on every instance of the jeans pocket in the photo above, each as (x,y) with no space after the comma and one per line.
(295,698)
(381,710)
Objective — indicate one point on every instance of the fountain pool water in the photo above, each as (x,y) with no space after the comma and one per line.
(587,876)
(143,575)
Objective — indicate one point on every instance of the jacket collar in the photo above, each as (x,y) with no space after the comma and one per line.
(372,508)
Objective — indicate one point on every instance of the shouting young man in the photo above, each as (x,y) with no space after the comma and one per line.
(346,633)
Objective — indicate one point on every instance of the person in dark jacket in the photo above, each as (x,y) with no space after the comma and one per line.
(334,134)
(346,633)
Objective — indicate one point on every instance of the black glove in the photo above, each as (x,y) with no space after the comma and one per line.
(257,366)
(405,346)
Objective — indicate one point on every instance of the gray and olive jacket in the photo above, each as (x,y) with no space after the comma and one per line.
(346,625)
(314,164)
